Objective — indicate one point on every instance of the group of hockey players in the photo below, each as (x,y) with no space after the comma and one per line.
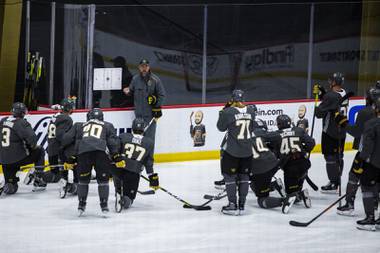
(251,155)
(81,147)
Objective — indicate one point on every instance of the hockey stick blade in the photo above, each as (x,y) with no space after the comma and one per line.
(148,192)
(298,224)
(214,197)
(311,183)
(198,208)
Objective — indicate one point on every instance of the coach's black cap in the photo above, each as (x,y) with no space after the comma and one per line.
(144,62)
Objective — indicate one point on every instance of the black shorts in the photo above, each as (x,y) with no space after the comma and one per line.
(295,172)
(330,145)
(370,175)
(126,180)
(261,183)
(232,165)
(36,156)
(97,159)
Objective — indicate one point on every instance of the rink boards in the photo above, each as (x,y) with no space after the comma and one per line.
(173,139)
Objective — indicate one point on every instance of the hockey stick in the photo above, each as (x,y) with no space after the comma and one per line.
(188,205)
(148,192)
(41,166)
(214,197)
(305,224)
(149,124)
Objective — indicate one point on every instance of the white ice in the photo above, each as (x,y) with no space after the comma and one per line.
(41,222)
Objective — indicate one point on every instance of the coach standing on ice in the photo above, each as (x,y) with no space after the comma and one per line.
(148,96)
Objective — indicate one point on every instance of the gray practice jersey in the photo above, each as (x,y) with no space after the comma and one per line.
(69,139)
(94,135)
(58,126)
(370,150)
(238,124)
(357,129)
(17,137)
(326,110)
(294,141)
(140,88)
(138,151)
(263,158)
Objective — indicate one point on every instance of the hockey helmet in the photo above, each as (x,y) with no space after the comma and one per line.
(283,121)
(237,96)
(138,125)
(67,105)
(336,79)
(95,113)
(262,124)
(19,110)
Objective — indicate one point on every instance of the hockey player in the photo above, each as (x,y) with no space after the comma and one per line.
(138,152)
(356,131)
(369,154)
(59,125)
(293,149)
(236,161)
(333,136)
(264,167)
(19,147)
(93,138)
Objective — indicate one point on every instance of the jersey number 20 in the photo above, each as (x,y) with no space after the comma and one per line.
(93,130)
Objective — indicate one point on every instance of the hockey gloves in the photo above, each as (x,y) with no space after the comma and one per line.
(156,112)
(152,99)
(318,90)
(70,163)
(119,161)
(341,120)
(357,166)
(153,181)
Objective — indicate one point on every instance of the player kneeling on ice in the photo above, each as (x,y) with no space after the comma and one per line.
(293,148)
(137,151)
(93,138)
(19,147)
(236,160)
(370,159)
(264,167)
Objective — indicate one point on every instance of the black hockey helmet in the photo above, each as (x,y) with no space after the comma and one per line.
(19,110)
(283,121)
(95,113)
(67,105)
(138,125)
(262,124)
(336,79)
(237,96)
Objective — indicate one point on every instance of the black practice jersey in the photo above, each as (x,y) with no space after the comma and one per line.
(294,142)
(263,158)
(58,126)
(370,148)
(357,129)
(68,143)
(138,151)
(17,137)
(238,124)
(331,103)
(93,135)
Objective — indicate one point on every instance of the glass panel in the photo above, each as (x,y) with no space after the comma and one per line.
(169,37)
(337,43)
(260,49)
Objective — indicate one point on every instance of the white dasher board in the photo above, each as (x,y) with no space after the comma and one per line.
(107,78)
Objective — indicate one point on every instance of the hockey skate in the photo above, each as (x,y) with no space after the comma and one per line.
(367,224)
(377,224)
(220,185)
(288,203)
(241,208)
(39,184)
(1,187)
(118,202)
(81,208)
(62,188)
(346,210)
(330,188)
(29,177)
(230,209)
(279,187)
(104,208)
(304,195)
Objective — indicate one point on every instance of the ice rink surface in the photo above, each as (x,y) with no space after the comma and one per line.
(41,222)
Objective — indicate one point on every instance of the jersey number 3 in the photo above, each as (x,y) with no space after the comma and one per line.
(5,141)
